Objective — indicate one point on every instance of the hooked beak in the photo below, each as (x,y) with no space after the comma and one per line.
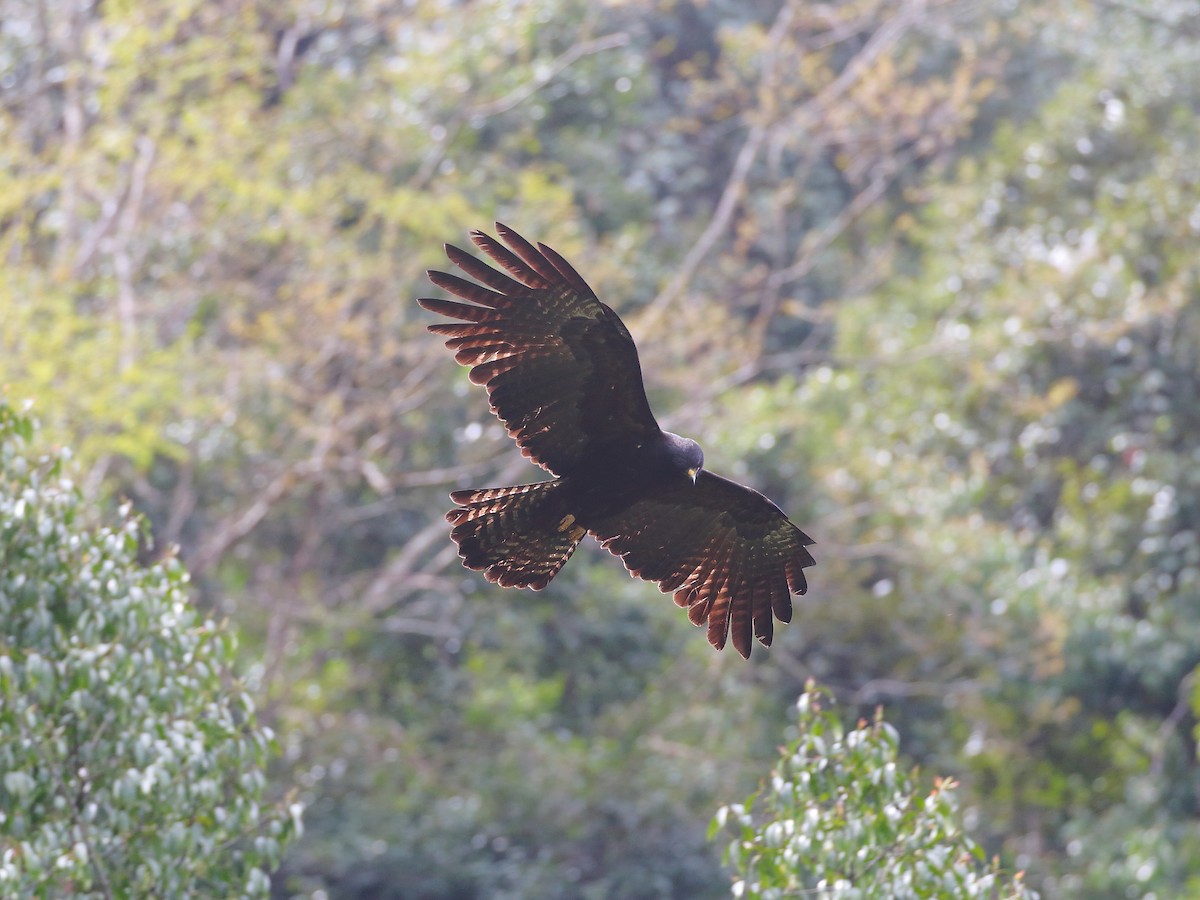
(694,474)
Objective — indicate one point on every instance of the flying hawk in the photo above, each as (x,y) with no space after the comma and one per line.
(562,374)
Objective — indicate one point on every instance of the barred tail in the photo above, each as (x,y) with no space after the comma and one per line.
(519,536)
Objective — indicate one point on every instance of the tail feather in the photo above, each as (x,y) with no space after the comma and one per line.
(518,536)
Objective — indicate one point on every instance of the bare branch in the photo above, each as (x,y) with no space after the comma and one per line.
(519,95)
(717,225)
(122,254)
(735,185)
(1171,724)
(233,530)
(885,37)
(815,243)
(556,67)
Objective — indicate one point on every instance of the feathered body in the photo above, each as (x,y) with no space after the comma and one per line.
(563,375)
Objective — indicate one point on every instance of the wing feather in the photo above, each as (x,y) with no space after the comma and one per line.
(560,367)
(529,255)
(764,622)
(730,555)
(742,612)
(481,271)
(478,314)
(505,257)
(720,586)
(565,269)
(468,290)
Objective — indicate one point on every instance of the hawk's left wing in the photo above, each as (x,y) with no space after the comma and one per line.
(560,367)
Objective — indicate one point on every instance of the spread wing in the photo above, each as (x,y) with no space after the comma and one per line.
(730,555)
(560,367)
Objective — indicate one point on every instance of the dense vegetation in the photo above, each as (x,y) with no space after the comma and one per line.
(132,766)
(843,820)
(922,271)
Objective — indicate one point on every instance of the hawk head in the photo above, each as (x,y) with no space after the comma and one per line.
(684,455)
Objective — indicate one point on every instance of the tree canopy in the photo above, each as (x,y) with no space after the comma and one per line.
(132,766)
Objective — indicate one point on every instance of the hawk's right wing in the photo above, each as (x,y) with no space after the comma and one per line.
(729,554)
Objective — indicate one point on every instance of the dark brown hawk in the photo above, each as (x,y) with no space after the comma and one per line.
(563,375)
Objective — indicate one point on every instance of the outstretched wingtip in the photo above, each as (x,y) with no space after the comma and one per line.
(458,256)
(483,240)
(514,239)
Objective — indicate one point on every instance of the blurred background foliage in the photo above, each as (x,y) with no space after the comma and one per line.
(922,270)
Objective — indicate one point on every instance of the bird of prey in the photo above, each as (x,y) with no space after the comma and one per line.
(562,373)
